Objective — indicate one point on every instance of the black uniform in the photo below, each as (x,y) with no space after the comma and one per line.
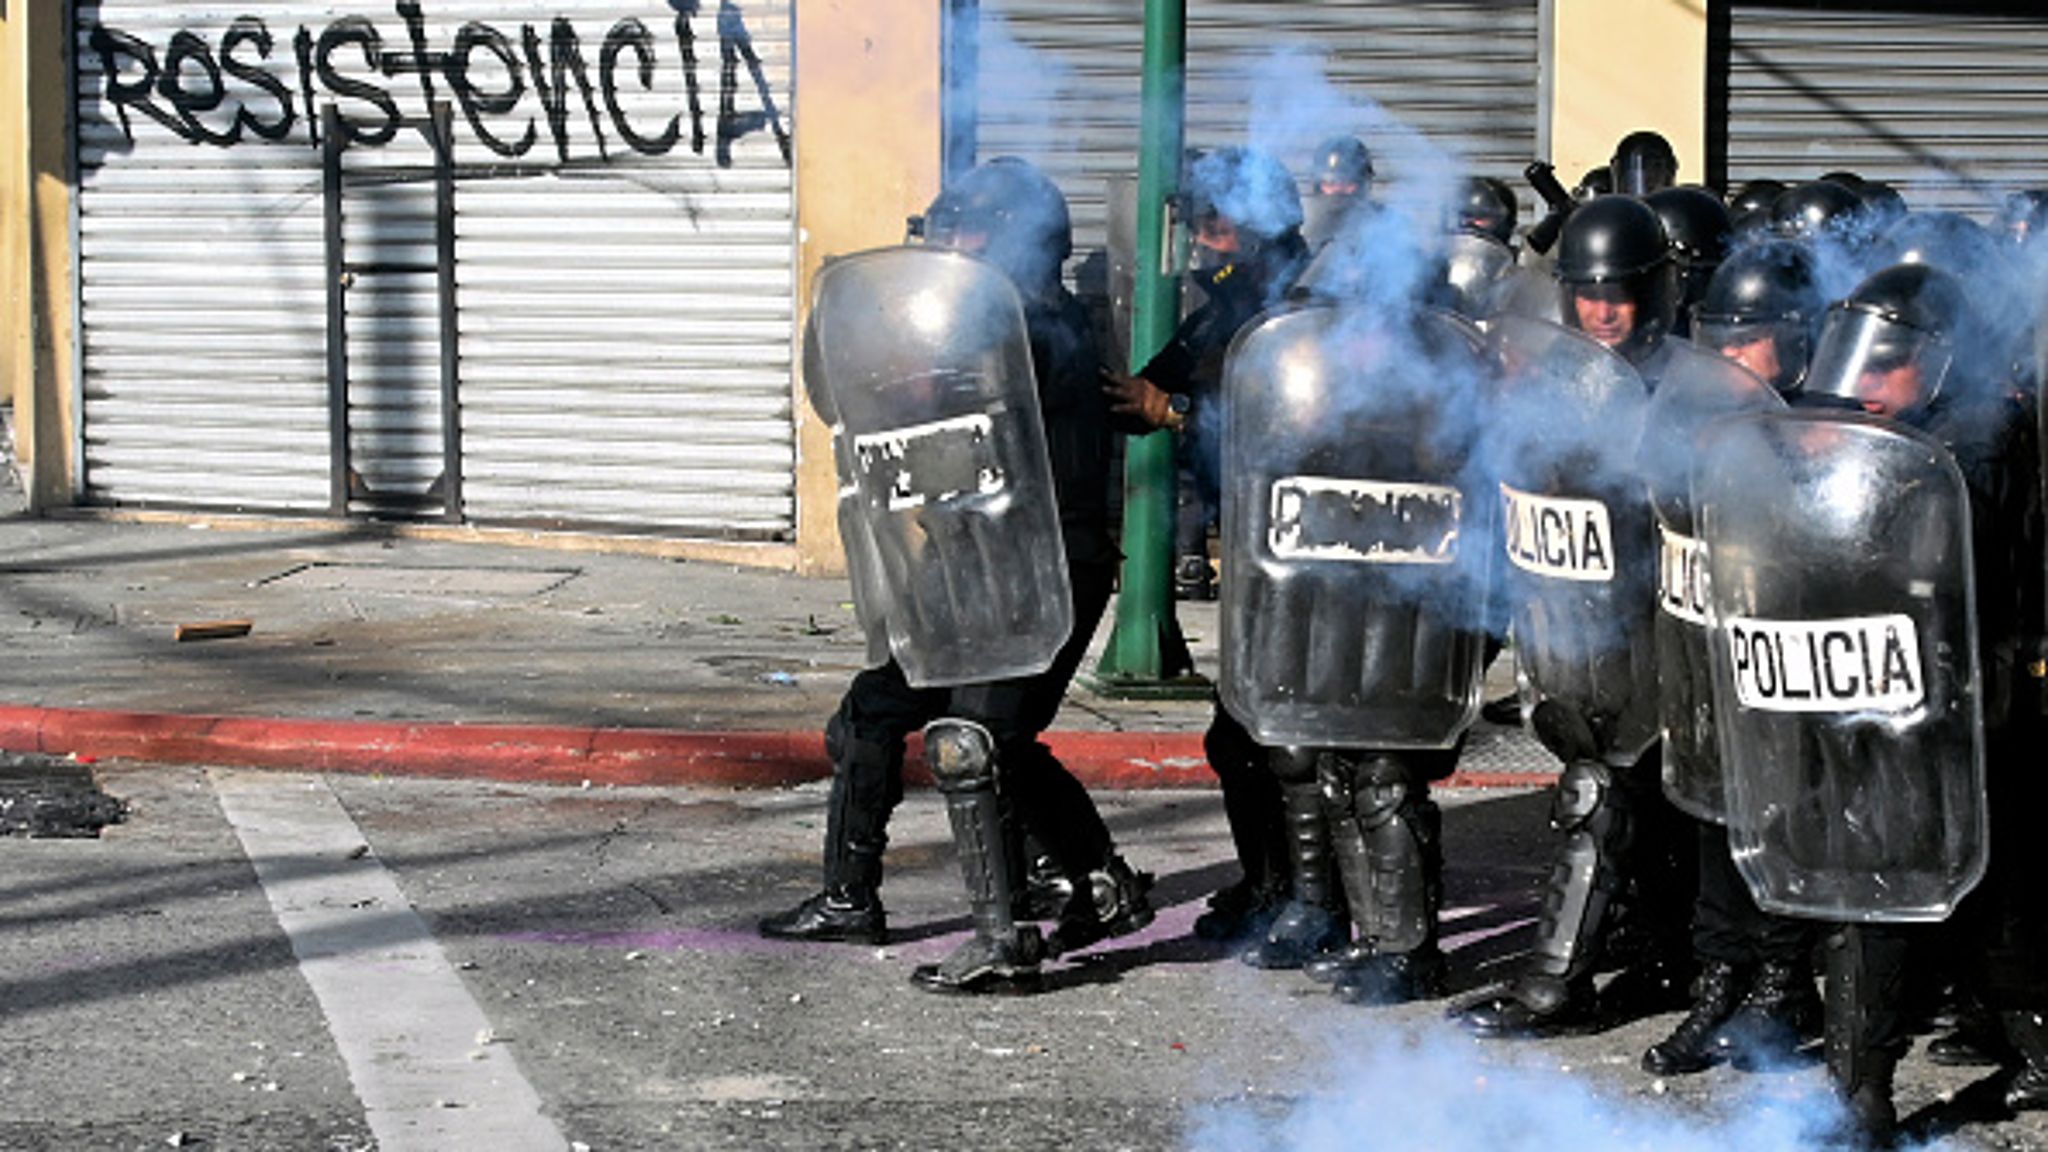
(1025,222)
(1191,365)
(1875,971)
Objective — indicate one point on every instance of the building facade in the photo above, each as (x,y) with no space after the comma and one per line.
(542,267)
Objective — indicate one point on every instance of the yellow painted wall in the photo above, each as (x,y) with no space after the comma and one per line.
(867,156)
(1620,65)
(35,244)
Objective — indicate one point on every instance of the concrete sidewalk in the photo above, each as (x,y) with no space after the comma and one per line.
(369,651)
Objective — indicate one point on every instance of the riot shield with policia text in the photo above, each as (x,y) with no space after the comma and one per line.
(1698,387)
(1354,533)
(1844,652)
(920,359)
(1564,416)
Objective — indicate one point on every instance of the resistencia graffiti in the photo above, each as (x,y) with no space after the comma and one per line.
(223,94)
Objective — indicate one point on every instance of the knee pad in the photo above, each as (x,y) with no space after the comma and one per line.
(1584,791)
(1371,790)
(961,753)
(1390,853)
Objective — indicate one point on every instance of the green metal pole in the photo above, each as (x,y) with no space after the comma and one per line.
(1145,648)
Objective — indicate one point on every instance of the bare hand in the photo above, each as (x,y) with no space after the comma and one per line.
(1137,396)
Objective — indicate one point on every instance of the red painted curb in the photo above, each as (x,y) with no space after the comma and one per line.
(565,754)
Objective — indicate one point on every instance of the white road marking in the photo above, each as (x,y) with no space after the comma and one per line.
(417,1045)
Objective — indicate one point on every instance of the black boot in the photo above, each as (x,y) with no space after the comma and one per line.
(1864,1030)
(1330,967)
(1245,909)
(849,908)
(1252,804)
(1555,995)
(1978,1040)
(1309,924)
(1388,837)
(836,914)
(1000,957)
(1394,978)
(1690,1048)
(1779,1016)
(1533,1005)
(2027,1033)
(1113,904)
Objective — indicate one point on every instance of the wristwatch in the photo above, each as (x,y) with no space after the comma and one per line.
(1177,405)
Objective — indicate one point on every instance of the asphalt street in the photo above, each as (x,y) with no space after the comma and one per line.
(266,960)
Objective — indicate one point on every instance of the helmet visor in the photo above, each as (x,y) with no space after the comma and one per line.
(1638,174)
(1776,349)
(1876,363)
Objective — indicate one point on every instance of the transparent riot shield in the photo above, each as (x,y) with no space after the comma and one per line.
(1475,267)
(1844,652)
(1564,416)
(1353,591)
(1322,217)
(1698,388)
(921,359)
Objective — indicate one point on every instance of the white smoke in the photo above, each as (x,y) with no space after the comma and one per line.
(1430,1089)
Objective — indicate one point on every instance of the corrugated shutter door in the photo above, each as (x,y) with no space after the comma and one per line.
(624,298)
(1059,83)
(1950,109)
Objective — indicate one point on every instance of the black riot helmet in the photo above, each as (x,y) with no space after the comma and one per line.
(1643,163)
(2023,218)
(1882,204)
(1763,309)
(1344,167)
(1484,210)
(1614,251)
(1596,182)
(1755,196)
(1949,241)
(1816,210)
(1246,187)
(1889,348)
(1506,192)
(1009,213)
(1696,224)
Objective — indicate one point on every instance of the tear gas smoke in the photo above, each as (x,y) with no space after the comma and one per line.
(1430,1089)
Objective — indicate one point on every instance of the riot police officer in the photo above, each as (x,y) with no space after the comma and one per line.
(1619,280)
(1009,214)
(1643,162)
(1901,347)
(1763,309)
(1819,211)
(1754,1000)
(1619,287)
(1696,225)
(1246,216)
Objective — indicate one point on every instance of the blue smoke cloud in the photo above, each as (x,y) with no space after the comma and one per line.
(1431,1089)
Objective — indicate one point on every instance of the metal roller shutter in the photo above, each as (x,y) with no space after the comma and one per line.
(1059,83)
(1950,108)
(622,298)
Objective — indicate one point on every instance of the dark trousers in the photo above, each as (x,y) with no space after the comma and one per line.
(880,710)
(1727,925)
(1251,803)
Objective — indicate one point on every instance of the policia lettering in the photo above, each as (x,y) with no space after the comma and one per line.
(1863,662)
(212,96)
(1560,538)
(1681,576)
(1363,521)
